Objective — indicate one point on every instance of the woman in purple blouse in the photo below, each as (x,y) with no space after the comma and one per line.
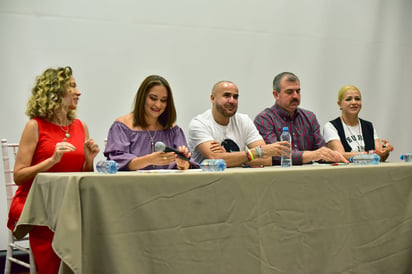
(132,137)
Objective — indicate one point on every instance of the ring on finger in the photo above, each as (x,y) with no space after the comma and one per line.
(164,158)
(61,148)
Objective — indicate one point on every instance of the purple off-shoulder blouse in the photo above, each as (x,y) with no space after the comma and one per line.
(125,144)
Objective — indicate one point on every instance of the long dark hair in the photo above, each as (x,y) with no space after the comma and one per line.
(168,117)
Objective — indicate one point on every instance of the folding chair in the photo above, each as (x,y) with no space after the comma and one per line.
(14,244)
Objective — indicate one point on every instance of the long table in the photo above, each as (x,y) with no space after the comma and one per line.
(306,219)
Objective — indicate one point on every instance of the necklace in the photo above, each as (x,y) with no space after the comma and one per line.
(353,137)
(152,143)
(67,134)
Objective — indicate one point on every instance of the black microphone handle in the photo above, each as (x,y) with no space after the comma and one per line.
(179,154)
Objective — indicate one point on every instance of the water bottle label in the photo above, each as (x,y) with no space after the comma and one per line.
(213,165)
(366,159)
(107,167)
(286,161)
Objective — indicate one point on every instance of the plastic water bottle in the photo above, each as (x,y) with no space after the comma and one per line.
(109,166)
(366,159)
(213,165)
(407,157)
(284,160)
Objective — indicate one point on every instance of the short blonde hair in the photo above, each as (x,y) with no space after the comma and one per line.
(48,93)
(344,89)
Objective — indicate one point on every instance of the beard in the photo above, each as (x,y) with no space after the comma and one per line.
(222,110)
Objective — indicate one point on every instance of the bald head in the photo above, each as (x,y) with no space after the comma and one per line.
(224,98)
(222,85)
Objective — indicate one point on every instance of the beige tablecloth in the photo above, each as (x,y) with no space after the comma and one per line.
(310,219)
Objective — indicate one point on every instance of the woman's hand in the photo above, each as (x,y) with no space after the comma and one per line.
(384,150)
(91,149)
(60,149)
(181,163)
(161,158)
(386,145)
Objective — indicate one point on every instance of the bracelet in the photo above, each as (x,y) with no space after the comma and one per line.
(259,152)
(247,155)
(250,155)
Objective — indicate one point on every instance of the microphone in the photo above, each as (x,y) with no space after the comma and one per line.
(160,146)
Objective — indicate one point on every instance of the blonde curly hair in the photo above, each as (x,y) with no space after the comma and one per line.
(48,93)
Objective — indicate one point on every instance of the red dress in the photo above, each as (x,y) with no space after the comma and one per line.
(40,236)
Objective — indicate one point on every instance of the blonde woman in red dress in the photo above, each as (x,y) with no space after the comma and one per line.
(53,140)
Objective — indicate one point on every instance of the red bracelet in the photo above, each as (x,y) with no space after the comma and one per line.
(248,155)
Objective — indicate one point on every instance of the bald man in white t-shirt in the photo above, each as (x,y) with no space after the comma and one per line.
(221,133)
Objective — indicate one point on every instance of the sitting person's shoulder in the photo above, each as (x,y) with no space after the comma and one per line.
(306,112)
(203,117)
(126,120)
(242,117)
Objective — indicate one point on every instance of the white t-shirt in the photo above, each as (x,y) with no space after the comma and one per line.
(353,135)
(204,128)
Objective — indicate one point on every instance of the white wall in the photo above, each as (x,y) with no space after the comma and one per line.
(113,45)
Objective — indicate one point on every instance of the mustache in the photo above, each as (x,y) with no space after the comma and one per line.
(294,100)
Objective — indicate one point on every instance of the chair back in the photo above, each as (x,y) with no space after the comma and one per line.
(9,152)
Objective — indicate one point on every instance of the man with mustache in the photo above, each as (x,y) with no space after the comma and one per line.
(221,133)
(308,144)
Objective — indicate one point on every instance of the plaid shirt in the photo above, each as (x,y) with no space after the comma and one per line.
(304,130)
